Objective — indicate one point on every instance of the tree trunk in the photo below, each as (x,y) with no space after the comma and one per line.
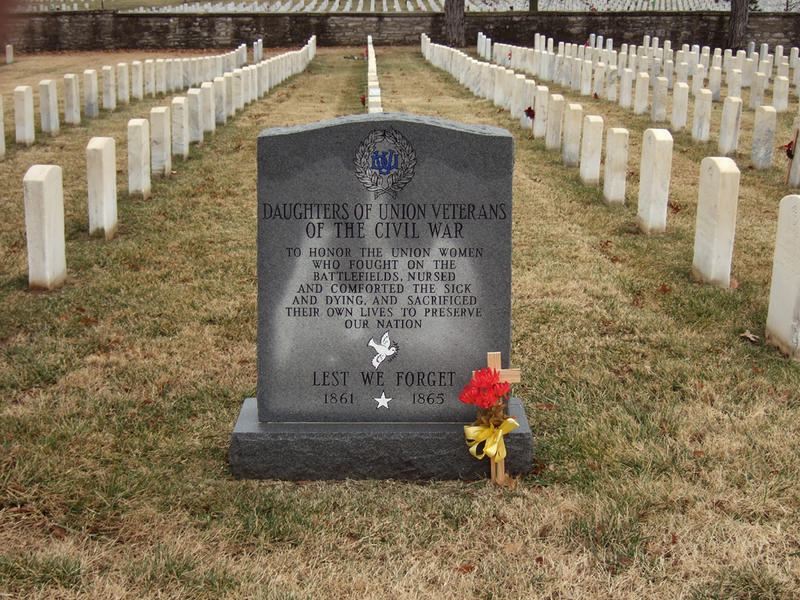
(737,25)
(454,23)
(533,6)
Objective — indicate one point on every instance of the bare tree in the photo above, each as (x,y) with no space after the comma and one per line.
(454,23)
(737,25)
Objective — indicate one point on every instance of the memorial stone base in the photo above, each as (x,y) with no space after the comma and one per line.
(370,450)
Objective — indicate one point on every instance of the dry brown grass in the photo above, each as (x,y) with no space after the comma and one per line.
(667,445)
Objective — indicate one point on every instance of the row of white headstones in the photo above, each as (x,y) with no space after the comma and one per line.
(594,70)
(373,95)
(580,140)
(121,86)
(298,6)
(151,145)
(475,6)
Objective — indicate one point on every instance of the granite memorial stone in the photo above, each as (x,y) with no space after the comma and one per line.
(384,269)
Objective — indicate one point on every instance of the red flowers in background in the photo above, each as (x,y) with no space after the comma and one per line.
(485,389)
(789,149)
(530,113)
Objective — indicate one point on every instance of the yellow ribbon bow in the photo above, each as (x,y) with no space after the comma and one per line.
(495,447)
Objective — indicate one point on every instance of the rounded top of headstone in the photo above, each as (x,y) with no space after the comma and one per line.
(389,118)
(658,134)
(723,164)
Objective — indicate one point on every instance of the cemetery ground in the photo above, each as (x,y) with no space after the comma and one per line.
(666,429)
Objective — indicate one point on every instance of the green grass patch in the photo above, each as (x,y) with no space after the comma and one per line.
(666,461)
(28,572)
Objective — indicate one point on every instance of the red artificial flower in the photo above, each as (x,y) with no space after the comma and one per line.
(363,100)
(530,113)
(485,389)
(789,149)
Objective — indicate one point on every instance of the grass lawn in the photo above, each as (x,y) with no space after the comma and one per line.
(667,443)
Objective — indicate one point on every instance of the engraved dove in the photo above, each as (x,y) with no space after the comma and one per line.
(383,350)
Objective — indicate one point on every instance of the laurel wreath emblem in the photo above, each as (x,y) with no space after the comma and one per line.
(393,182)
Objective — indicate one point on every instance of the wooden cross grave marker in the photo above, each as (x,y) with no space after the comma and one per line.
(506,375)
(493,361)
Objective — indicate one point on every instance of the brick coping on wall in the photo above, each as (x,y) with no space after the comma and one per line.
(104,30)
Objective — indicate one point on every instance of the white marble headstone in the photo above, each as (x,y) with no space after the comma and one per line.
(783,316)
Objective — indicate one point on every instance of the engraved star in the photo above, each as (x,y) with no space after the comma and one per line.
(382,401)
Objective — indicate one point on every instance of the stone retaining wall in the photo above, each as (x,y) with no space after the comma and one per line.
(98,30)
